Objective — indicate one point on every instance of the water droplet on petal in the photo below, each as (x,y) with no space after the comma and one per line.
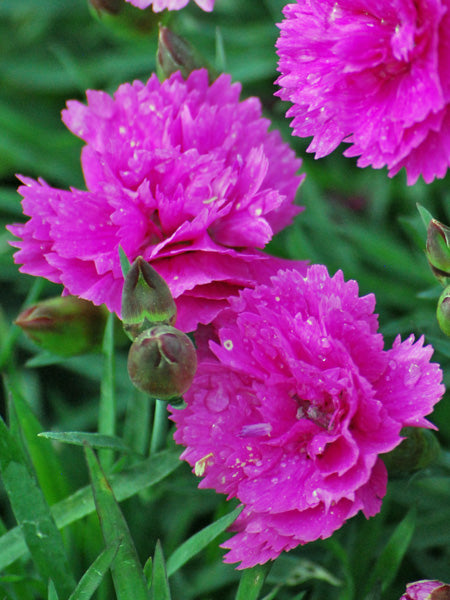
(412,375)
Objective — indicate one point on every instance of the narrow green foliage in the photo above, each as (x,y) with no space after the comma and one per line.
(52,593)
(107,408)
(43,456)
(125,264)
(392,555)
(148,570)
(81,503)
(127,573)
(33,515)
(199,541)
(426,216)
(160,424)
(90,581)
(95,440)
(160,584)
(252,581)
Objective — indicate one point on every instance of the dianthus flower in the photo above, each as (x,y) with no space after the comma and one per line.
(375,74)
(292,405)
(159,5)
(427,589)
(180,172)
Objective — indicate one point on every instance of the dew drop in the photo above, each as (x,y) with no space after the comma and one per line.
(412,375)
(228,345)
(392,365)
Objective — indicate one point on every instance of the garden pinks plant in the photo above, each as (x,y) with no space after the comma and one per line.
(371,245)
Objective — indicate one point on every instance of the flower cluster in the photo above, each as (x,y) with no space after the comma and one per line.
(159,5)
(181,173)
(292,406)
(373,74)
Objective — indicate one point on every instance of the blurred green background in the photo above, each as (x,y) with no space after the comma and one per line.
(356,220)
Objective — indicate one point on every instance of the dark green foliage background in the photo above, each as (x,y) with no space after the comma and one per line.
(356,220)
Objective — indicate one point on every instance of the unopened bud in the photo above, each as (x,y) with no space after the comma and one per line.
(162,362)
(65,325)
(175,54)
(443,311)
(112,7)
(427,589)
(146,299)
(438,249)
(418,450)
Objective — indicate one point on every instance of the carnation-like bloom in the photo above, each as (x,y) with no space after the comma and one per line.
(159,5)
(181,173)
(427,589)
(375,74)
(294,403)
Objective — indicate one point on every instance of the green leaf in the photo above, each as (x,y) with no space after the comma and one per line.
(33,515)
(160,584)
(124,485)
(390,559)
(148,569)
(425,215)
(90,581)
(95,440)
(52,593)
(125,264)
(198,541)
(127,573)
(252,581)
(48,468)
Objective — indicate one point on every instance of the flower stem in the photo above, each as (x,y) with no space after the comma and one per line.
(159,430)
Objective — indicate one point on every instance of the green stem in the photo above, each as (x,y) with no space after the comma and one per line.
(160,424)
(107,407)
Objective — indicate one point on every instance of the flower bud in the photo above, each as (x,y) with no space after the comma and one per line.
(418,450)
(111,7)
(162,362)
(146,299)
(438,249)
(427,589)
(175,54)
(65,325)
(443,311)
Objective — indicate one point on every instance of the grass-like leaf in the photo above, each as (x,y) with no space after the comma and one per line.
(252,581)
(425,215)
(390,559)
(52,593)
(124,485)
(95,440)
(160,585)
(33,515)
(128,576)
(90,581)
(199,541)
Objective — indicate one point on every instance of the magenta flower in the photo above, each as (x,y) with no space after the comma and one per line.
(375,74)
(159,5)
(179,172)
(427,590)
(294,403)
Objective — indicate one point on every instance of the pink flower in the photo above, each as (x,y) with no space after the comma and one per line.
(427,590)
(292,406)
(375,74)
(159,5)
(179,172)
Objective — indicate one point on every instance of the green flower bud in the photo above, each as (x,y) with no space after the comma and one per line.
(176,54)
(419,449)
(438,249)
(65,325)
(146,299)
(162,362)
(443,311)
